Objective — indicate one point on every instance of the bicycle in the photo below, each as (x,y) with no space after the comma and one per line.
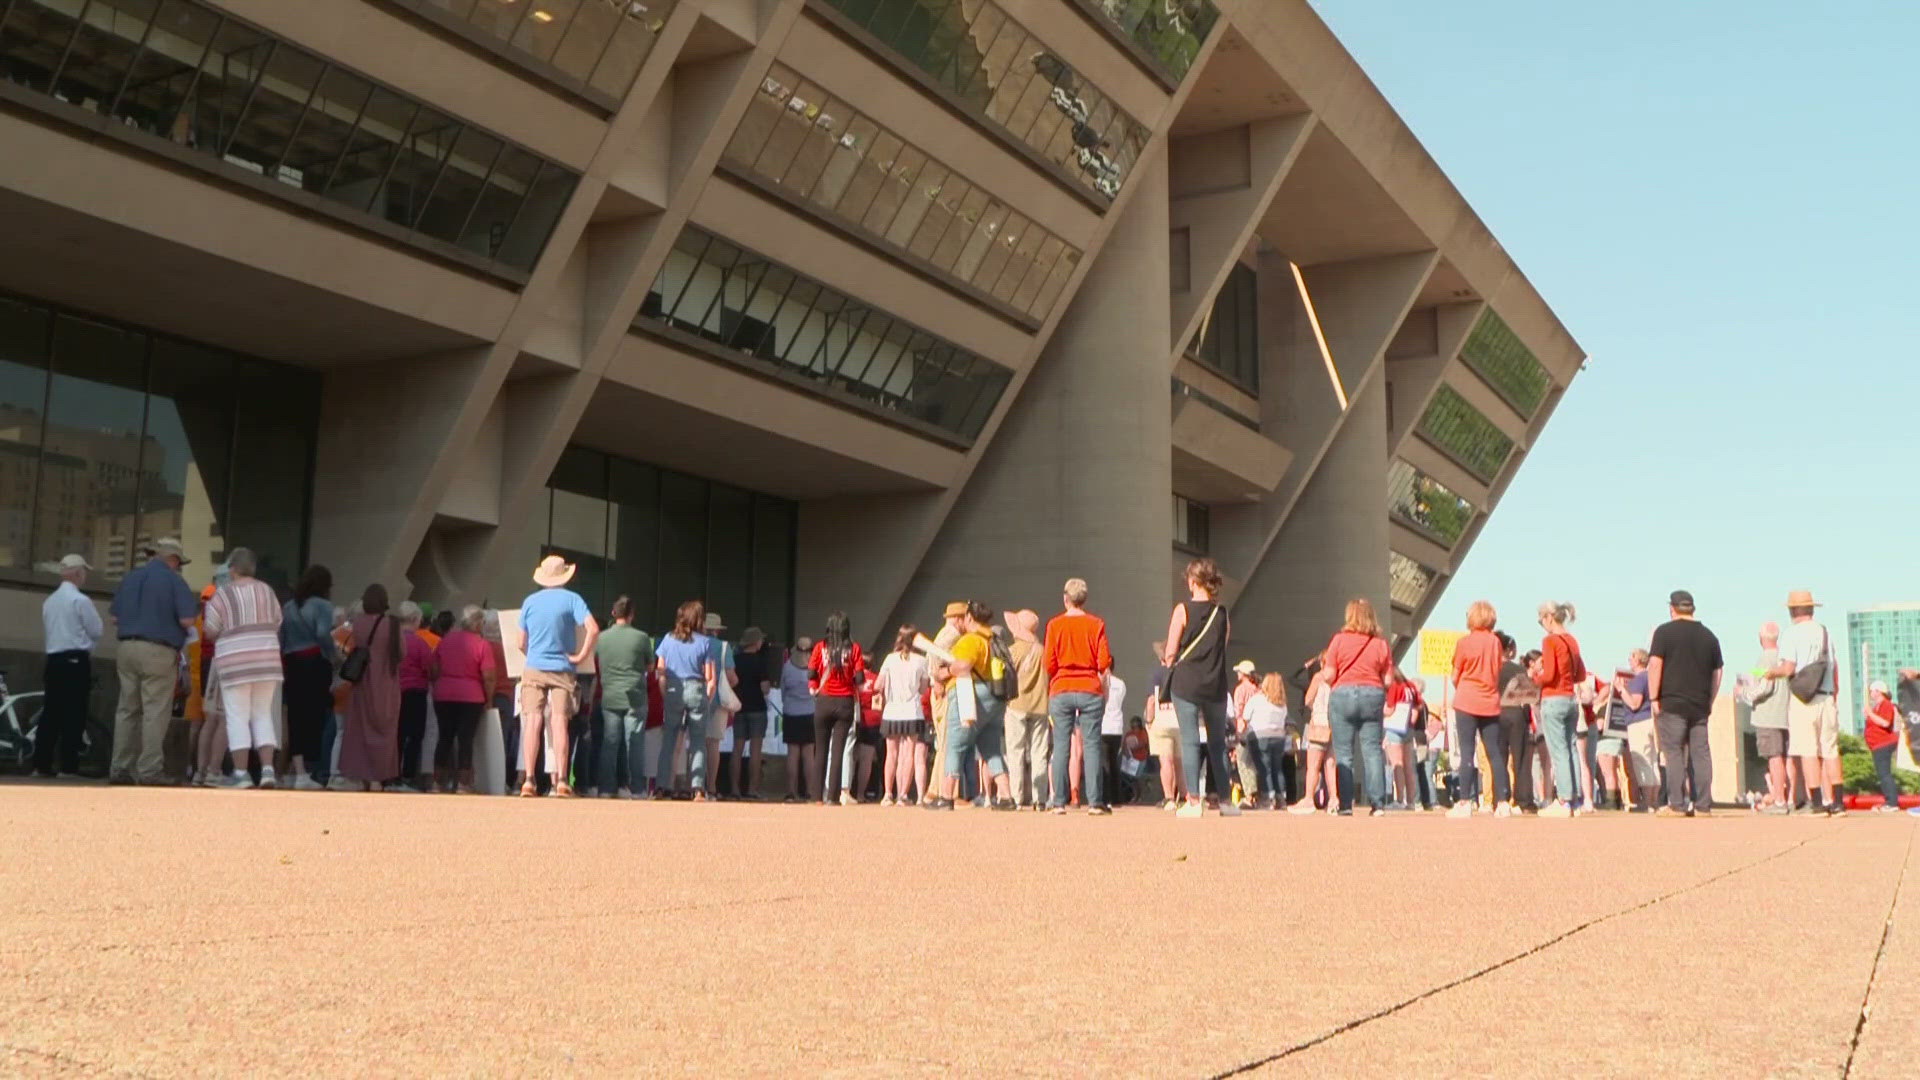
(19,724)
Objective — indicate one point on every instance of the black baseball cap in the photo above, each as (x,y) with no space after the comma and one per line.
(1681,598)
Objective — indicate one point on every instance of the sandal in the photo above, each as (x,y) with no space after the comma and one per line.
(562,789)
(528,790)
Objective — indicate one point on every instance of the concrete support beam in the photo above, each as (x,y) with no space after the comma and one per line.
(1219,211)
(1332,547)
(1412,381)
(1080,474)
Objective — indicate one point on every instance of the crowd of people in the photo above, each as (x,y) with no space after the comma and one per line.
(1008,716)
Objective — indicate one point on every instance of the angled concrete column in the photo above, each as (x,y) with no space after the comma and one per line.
(1332,547)
(1079,480)
(1413,375)
(1221,183)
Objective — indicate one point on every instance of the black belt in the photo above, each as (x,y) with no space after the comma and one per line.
(150,641)
(62,653)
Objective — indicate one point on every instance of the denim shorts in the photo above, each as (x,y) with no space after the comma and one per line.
(1399,736)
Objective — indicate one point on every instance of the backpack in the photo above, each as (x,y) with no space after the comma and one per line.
(1003,679)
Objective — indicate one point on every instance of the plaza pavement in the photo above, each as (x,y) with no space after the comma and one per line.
(170,932)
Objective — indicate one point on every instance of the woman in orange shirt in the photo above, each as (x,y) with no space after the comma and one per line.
(1559,671)
(1476,712)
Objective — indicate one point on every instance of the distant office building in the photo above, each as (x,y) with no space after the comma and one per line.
(1881,640)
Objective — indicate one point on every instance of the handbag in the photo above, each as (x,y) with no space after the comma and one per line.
(354,667)
(1809,682)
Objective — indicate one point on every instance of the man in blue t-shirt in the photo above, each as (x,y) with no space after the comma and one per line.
(550,638)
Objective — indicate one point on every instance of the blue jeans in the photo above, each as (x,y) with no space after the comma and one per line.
(623,734)
(1357,712)
(1269,758)
(1214,713)
(985,735)
(1558,718)
(1076,708)
(684,708)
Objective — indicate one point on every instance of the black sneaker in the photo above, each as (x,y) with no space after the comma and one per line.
(1837,809)
(1005,804)
(937,804)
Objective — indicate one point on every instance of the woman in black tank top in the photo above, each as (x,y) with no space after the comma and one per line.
(1196,655)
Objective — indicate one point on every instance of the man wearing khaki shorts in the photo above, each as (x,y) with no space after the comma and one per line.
(1813,724)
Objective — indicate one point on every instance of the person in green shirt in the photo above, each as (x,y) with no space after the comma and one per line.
(623,654)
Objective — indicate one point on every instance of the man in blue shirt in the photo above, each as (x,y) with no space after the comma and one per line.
(151,613)
(550,622)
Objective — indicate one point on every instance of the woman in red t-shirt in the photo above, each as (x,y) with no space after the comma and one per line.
(1882,736)
(1358,664)
(833,674)
(1560,672)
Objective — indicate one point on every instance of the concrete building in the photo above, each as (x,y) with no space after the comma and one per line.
(1881,640)
(789,304)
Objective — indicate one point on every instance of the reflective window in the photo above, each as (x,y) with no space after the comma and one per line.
(661,537)
(817,148)
(1459,430)
(1171,31)
(1010,79)
(599,43)
(1229,337)
(738,300)
(1192,525)
(1407,581)
(110,437)
(1496,354)
(185,72)
(1423,502)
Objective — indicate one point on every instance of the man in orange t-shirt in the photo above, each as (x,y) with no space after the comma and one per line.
(1077,661)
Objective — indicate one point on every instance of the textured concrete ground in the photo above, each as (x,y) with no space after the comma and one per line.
(175,932)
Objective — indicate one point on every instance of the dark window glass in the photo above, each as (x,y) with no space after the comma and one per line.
(1192,526)
(1169,33)
(775,529)
(600,43)
(634,490)
(1459,430)
(93,450)
(683,543)
(23,401)
(184,72)
(190,409)
(1009,79)
(1427,504)
(749,305)
(1229,338)
(1495,353)
(276,426)
(729,554)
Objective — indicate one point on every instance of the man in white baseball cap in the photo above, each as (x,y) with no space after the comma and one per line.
(72,625)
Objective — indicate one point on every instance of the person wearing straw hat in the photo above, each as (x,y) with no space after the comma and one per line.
(72,626)
(551,640)
(151,613)
(1813,718)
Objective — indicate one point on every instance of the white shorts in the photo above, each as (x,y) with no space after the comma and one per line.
(1813,730)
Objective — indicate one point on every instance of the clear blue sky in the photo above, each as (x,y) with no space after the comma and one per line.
(1722,202)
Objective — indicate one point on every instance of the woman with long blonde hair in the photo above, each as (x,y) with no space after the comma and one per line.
(1264,739)
(1319,774)
(1358,663)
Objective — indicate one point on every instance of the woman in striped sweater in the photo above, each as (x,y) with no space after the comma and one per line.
(243,623)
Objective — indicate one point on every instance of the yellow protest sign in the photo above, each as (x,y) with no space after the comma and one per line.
(1436,651)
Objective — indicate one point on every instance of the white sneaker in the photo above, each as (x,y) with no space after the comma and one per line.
(1557,810)
(267,777)
(1503,810)
(1303,808)
(1461,810)
(1190,810)
(849,800)
(238,781)
(341,783)
(303,782)
(1227,809)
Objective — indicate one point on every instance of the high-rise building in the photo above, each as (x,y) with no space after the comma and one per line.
(1881,640)
(793,305)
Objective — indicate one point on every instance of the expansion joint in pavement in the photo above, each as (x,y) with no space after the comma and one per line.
(1434,991)
(1873,975)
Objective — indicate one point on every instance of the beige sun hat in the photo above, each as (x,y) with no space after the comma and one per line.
(1802,598)
(553,572)
(1245,667)
(714,622)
